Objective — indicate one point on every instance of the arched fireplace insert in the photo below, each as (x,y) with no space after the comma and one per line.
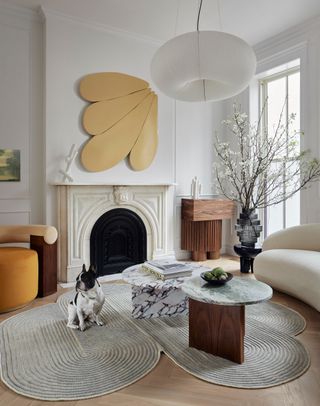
(118,240)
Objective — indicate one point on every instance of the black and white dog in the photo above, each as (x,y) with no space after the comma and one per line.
(86,306)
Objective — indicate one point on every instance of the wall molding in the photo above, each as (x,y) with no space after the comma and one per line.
(20,12)
(47,12)
(296,51)
(25,197)
(297,35)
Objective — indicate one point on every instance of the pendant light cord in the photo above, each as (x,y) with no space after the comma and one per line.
(199,67)
(199,12)
(177,18)
(219,15)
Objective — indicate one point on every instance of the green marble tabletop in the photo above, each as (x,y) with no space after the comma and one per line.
(238,291)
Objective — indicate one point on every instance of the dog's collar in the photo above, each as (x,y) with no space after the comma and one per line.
(88,297)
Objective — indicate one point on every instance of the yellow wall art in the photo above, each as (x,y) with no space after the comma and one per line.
(122,121)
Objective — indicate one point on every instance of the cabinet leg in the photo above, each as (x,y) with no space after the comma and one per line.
(214,254)
(199,256)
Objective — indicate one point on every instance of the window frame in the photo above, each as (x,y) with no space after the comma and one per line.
(263,94)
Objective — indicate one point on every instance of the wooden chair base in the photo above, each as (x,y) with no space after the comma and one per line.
(47,257)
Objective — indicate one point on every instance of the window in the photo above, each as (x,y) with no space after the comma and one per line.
(281,93)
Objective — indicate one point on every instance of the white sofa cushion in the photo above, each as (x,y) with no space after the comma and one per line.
(303,237)
(296,272)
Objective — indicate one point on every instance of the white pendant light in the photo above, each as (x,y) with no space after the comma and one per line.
(203,66)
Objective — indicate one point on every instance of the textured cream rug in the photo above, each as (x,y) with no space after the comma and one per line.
(42,358)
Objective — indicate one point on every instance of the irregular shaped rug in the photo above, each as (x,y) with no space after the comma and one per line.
(43,359)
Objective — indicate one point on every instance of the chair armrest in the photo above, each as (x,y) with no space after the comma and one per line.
(303,237)
(22,233)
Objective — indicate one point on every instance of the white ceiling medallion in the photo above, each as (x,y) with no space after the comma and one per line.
(203,66)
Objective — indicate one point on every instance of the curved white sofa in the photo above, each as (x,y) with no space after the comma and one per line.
(290,262)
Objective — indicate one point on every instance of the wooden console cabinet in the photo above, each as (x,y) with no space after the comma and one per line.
(201,226)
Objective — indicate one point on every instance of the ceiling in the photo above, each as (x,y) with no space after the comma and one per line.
(252,20)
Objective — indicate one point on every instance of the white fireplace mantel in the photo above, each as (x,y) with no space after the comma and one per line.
(81,205)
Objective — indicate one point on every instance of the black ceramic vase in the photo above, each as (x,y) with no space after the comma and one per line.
(248,228)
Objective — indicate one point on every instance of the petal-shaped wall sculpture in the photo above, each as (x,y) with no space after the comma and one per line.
(144,150)
(109,85)
(105,150)
(102,115)
(122,119)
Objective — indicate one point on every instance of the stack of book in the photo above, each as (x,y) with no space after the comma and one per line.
(165,269)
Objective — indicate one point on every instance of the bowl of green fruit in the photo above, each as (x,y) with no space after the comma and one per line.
(216,276)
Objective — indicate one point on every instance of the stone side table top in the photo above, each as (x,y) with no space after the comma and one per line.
(135,276)
(238,291)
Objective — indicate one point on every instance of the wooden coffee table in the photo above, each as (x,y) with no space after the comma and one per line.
(217,314)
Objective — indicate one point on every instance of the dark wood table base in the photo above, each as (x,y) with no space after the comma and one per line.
(217,329)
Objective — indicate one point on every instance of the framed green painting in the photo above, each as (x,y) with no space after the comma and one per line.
(9,165)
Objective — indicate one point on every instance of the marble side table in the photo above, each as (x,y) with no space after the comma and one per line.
(152,297)
(217,314)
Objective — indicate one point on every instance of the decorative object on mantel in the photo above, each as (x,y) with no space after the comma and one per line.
(203,65)
(201,226)
(69,160)
(195,188)
(122,121)
(263,170)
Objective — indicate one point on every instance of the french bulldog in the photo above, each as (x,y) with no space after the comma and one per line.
(85,308)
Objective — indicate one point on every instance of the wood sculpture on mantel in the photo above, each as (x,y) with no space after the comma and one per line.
(201,226)
(122,120)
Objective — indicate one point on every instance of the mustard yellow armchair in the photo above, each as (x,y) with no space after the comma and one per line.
(27,272)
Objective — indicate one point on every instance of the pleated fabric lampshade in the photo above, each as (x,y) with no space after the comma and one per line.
(203,66)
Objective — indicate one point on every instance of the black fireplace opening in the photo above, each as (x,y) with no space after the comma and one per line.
(118,240)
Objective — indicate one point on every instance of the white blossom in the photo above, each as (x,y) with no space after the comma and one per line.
(264,168)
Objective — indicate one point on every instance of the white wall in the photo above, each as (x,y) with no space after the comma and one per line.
(74,49)
(196,123)
(21,114)
(42,61)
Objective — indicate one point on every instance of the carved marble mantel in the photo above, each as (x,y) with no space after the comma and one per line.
(80,206)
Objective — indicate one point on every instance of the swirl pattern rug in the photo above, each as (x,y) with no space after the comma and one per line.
(43,359)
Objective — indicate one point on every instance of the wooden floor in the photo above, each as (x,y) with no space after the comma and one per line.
(168,384)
